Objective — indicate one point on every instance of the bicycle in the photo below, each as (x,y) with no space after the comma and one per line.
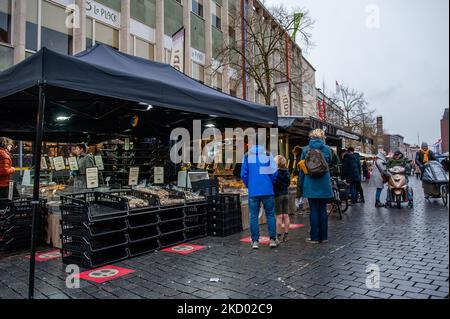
(339,202)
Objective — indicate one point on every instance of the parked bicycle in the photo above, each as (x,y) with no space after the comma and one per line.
(339,202)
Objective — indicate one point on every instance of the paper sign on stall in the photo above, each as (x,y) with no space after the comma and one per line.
(159,175)
(26,179)
(43,163)
(59,163)
(99,162)
(73,164)
(52,164)
(92,177)
(134,176)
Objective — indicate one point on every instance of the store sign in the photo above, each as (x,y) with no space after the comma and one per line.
(92,177)
(198,56)
(178,51)
(102,13)
(133,177)
(347,135)
(59,164)
(73,164)
(321,110)
(159,175)
(284,106)
(99,162)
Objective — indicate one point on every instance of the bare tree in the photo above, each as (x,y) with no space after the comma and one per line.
(262,56)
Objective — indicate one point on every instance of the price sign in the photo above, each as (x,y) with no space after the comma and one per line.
(92,177)
(52,164)
(99,162)
(43,163)
(159,175)
(133,178)
(73,164)
(59,164)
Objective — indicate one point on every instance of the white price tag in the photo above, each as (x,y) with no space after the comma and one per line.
(92,177)
(99,162)
(134,176)
(73,164)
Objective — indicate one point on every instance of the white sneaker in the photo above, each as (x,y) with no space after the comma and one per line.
(255,245)
(274,243)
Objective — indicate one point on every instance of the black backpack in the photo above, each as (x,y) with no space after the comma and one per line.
(316,163)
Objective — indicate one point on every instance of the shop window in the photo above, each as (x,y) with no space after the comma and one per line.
(5,21)
(6,57)
(173,17)
(106,35)
(144,11)
(54,33)
(113,4)
(198,72)
(89,33)
(144,49)
(217,16)
(31,32)
(197,7)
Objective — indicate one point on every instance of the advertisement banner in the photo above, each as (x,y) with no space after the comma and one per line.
(284,105)
(177,60)
(321,110)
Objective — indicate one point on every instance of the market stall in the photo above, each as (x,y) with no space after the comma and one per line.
(100,95)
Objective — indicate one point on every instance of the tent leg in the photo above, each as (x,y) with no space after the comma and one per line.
(37,174)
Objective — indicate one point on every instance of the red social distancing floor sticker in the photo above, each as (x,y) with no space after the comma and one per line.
(262,239)
(295,226)
(104,274)
(42,256)
(183,249)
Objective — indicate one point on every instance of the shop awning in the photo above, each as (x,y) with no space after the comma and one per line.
(105,72)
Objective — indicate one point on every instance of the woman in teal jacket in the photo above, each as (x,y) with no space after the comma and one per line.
(317,190)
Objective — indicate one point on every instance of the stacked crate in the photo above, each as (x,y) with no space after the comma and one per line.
(224,215)
(94,229)
(16,224)
(196,220)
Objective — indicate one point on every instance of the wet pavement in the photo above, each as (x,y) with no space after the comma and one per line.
(409,248)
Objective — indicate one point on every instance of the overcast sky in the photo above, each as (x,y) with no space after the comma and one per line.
(402,66)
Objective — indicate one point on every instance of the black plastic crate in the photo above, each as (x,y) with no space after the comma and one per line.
(196,232)
(153,200)
(94,206)
(97,244)
(143,220)
(92,230)
(171,227)
(143,234)
(169,214)
(191,221)
(143,247)
(172,239)
(207,187)
(88,261)
(197,209)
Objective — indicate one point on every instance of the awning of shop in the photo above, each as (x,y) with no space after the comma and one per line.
(105,72)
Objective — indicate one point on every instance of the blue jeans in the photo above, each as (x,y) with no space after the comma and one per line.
(254,204)
(318,218)
(378,194)
(353,192)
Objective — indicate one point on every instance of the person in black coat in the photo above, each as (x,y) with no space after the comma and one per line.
(281,189)
(351,171)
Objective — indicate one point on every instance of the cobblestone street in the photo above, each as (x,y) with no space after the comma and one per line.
(411,249)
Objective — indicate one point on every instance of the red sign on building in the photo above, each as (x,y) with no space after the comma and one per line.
(321,110)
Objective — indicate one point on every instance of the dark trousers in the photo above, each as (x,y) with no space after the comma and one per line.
(318,218)
(359,190)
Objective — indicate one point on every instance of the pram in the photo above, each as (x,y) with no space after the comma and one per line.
(435,181)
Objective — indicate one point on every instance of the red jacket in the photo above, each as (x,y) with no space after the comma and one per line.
(6,169)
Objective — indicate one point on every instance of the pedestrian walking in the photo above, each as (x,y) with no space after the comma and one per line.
(365,171)
(259,173)
(315,184)
(6,168)
(379,177)
(352,173)
(281,188)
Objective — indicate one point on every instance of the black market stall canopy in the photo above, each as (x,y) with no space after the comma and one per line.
(301,126)
(101,88)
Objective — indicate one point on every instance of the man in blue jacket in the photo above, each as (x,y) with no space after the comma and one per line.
(259,172)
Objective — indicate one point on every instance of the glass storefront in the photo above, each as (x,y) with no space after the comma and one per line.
(144,49)
(5,21)
(106,35)
(54,33)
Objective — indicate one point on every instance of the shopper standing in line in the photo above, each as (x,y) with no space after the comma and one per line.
(259,173)
(315,184)
(6,168)
(281,188)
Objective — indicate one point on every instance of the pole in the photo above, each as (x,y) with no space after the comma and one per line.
(37,174)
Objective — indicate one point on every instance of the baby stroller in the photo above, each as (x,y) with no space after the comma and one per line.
(435,181)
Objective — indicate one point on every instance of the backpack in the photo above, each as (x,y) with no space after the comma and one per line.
(316,163)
